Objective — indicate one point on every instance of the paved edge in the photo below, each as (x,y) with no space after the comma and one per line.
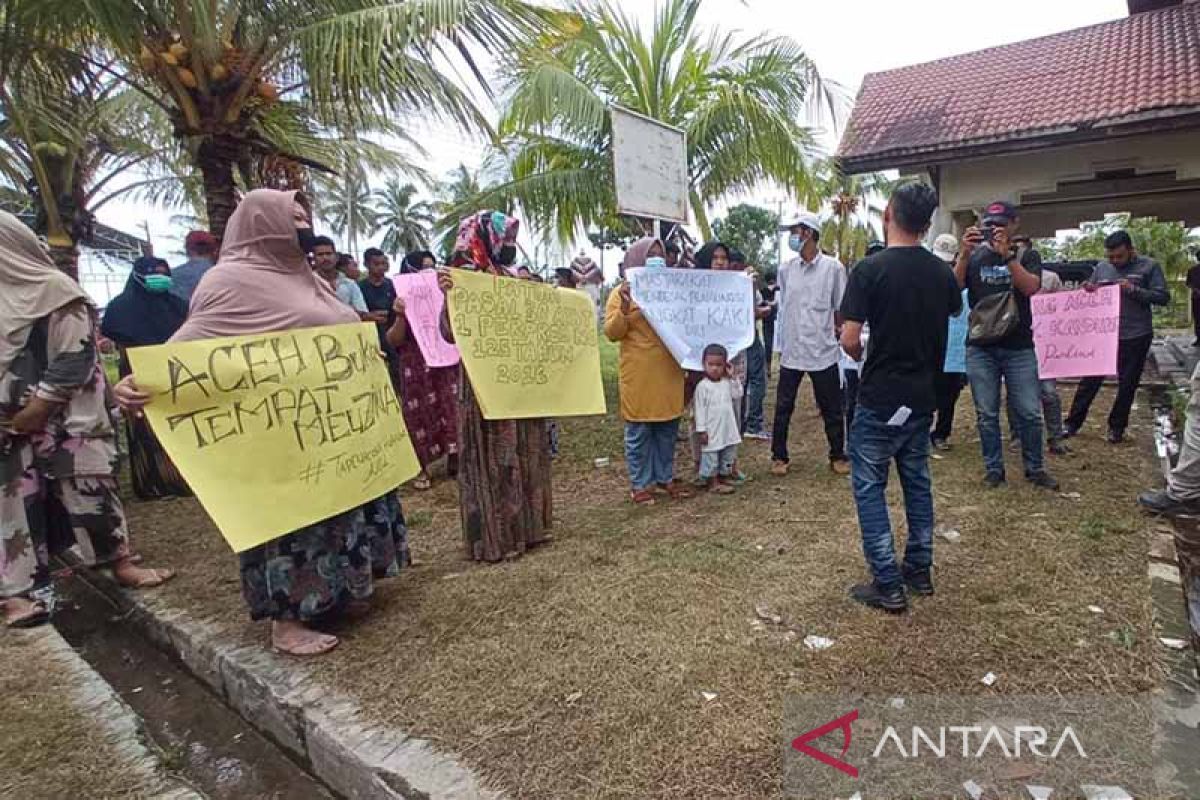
(323,728)
(1178,705)
(95,700)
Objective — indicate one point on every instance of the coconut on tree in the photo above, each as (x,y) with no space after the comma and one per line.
(250,86)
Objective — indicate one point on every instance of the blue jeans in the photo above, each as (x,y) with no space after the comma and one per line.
(873,446)
(650,452)
(756,389)
(986,367)
(718,462)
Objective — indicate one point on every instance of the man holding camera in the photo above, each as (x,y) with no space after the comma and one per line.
(986,267)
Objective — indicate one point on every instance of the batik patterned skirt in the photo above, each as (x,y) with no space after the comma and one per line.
(429,397)
(320,568)
(504,482)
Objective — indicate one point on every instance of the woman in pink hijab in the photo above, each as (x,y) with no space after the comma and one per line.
(263,284)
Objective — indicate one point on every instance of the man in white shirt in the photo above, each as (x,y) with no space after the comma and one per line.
(810,293)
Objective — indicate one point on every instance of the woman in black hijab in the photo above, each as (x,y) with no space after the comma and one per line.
(146,313)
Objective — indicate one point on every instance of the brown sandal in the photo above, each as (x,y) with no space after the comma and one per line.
(676,490)
(642,498)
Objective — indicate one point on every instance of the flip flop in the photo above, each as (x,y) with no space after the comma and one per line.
(39,614)
(161,576)
(422,483)
(308,650)
(642,498)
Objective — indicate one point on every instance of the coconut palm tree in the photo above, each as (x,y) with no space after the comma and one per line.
(73,138)
(406,224)
(346,203)
(741,103)
(344,199)
(250,85)
(460,191)
(855,203)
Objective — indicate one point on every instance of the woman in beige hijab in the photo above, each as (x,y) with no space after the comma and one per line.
(58,451)
(263,283)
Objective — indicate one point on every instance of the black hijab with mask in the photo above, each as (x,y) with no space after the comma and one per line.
(137,316)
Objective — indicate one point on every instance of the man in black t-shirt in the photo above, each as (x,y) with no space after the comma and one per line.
(987,267)
(907,296)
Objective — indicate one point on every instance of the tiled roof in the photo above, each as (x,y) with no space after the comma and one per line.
(1143,65)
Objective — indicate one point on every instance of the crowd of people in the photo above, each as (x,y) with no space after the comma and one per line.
(873,340)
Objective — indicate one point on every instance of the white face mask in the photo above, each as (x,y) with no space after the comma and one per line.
(656,262)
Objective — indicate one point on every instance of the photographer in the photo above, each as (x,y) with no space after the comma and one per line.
(987,269)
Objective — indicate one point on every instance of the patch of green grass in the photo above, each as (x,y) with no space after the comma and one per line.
(418,519)
(1093,528)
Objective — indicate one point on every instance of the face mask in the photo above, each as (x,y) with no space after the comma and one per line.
(796,242)
(656,262)
(157,284)
(305,237)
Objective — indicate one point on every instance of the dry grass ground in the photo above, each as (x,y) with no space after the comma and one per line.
(578,671)
(50,746)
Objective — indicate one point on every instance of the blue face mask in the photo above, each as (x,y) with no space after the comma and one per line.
(796,242)
(656,262)
(157,284)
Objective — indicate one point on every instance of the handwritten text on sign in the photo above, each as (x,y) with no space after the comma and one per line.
(423,302)
(690,309)
(529,349)
(277,431)
(1076,332)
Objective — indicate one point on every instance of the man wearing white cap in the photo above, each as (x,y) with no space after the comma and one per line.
(810,293)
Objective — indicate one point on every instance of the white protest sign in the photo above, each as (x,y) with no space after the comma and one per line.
(649,167)
(690,309)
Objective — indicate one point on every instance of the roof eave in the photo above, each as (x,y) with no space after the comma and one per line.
(1153,121)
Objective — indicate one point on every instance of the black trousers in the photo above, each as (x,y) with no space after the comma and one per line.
(827,391)
(947,387)
(1196,315)
(768,337)
(850,399)
(1131,360)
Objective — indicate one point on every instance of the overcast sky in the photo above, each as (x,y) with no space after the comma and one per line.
(847,39)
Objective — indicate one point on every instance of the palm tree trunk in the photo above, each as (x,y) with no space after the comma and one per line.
(220,196)
(65,255)
(701,216)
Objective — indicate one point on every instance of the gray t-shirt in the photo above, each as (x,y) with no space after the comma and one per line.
(1150,289)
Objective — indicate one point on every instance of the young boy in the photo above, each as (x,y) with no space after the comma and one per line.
(718,398)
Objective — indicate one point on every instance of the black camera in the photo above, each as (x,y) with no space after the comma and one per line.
(989,233)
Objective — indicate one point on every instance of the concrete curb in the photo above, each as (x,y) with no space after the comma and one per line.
(93,698)
(321,727)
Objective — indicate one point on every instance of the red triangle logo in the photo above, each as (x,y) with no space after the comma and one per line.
(843,723)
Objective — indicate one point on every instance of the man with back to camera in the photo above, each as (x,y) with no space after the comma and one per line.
(810,293)
(987,267)
(907,296)
(1143,286)
(201,249)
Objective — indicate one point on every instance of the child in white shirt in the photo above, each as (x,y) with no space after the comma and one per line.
(718,396)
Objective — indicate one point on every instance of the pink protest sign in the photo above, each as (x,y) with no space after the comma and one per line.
(1075,333)
(423,302)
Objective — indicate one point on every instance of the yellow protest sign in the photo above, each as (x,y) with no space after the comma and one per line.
(530,349)
(279,430)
